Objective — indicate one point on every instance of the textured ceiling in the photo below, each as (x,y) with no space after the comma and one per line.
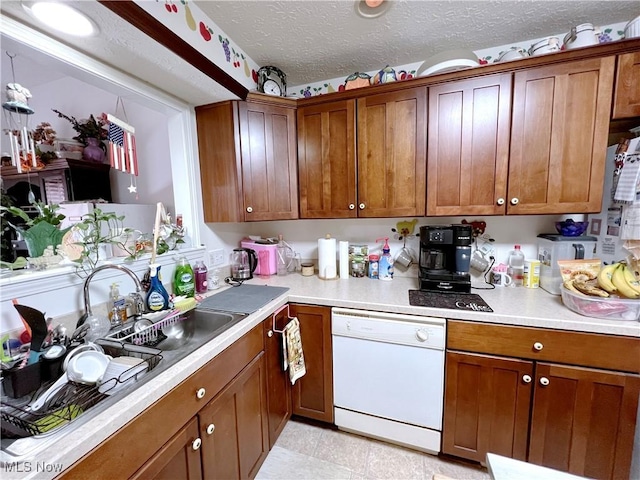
(317,40)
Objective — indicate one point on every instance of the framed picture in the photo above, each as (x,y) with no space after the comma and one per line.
(68,148)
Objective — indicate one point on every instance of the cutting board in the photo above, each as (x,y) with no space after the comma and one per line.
(242,299)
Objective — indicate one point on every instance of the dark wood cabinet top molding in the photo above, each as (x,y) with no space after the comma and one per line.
(136,16)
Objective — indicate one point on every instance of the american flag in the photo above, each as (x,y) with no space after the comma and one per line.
(116,146)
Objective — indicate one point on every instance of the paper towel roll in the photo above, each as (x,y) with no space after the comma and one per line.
(343,254)
(327,258)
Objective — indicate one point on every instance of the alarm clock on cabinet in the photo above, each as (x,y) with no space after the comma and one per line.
(272,81)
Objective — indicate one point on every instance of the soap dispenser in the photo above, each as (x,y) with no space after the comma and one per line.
(117,306)
(385,264)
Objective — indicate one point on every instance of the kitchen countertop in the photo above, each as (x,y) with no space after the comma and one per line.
(513,306)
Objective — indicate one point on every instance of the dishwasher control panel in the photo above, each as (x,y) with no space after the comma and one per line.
(413,330)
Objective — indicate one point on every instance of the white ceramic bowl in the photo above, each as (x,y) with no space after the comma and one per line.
(632,29)
(547,45)
(514,53)
(583,35)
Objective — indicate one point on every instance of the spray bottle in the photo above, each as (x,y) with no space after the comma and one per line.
(385,265)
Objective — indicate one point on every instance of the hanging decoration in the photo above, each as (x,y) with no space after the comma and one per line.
(122,146)
(17,111)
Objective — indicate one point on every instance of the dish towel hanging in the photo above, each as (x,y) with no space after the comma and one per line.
(292,350)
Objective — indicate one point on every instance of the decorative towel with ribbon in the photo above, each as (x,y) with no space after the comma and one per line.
(292,350)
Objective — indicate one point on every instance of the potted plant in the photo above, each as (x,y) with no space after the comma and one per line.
(41,231)
(95,233)
(91,133)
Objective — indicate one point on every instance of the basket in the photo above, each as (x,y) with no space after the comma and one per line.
(611,308)
(150,335)
(71,401)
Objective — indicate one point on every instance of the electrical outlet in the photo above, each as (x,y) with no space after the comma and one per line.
(216,257)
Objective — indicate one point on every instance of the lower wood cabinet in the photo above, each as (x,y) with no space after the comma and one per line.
(572,418)
(313,393)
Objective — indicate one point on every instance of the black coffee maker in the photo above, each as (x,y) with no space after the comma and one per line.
(445,256)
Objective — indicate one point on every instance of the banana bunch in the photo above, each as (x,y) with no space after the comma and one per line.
(619,279)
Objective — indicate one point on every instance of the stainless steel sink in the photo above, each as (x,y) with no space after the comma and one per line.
(197,328)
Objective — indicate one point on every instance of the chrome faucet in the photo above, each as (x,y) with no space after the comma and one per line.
(137,296)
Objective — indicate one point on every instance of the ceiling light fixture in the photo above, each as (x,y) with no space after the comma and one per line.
(62,18)
(372,8)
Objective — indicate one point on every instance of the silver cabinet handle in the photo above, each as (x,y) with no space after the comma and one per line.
(210,428)
(500,201)
(270,333)
(526,378)
(362,205)
(200,393)
(514,201)
(538,346)
(196,443)
(249,209)
(544,381)
(351,206)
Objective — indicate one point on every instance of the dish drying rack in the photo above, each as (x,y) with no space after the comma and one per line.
(150,335)
(73,399)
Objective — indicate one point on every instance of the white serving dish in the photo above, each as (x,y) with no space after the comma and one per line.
(583,35)
(607,308)
(632,29)
(448,61)
(547,45)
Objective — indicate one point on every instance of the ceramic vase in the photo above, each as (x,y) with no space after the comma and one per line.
(93,152)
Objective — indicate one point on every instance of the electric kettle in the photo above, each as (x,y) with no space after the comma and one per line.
(243,262)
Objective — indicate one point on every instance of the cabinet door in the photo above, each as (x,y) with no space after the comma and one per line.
(179,458)
(559,137)
(327,160)
(583,420)
(278,384)
(313,393)
(233,426)
(269,165)
(468,148)
(626,102)
(392,138)
(486,406)
(220,162)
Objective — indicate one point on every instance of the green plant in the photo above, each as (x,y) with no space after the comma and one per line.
(95,229)
(88,128)
(46,213)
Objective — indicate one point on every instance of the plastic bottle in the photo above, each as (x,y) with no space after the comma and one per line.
(516,266)
(385,265)
(201,277)
(183,279)
(117,306)
(374,262)
(157,296)
(284,257)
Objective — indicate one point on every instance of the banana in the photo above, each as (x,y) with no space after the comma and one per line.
(590,289)
(630,278)
(604,277)
(625,289)
(568,284)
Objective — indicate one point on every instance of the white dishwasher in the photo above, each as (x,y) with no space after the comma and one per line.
(388,374)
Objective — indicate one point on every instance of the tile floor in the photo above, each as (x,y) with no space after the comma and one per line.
(306,451)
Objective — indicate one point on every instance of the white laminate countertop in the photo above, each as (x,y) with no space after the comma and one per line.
(513,306)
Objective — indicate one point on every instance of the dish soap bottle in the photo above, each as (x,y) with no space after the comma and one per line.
(157,296)
(183,279)
(201,277)
(516,266)
(385,264)
(117,306)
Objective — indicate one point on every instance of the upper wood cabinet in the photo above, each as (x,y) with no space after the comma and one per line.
(392,136)
(247,161)
(626,102)
(468,146)
(327,160)
(559,137)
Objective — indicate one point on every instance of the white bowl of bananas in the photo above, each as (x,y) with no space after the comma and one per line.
(612,293)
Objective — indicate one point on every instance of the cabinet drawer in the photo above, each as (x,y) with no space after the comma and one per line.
(576,348)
